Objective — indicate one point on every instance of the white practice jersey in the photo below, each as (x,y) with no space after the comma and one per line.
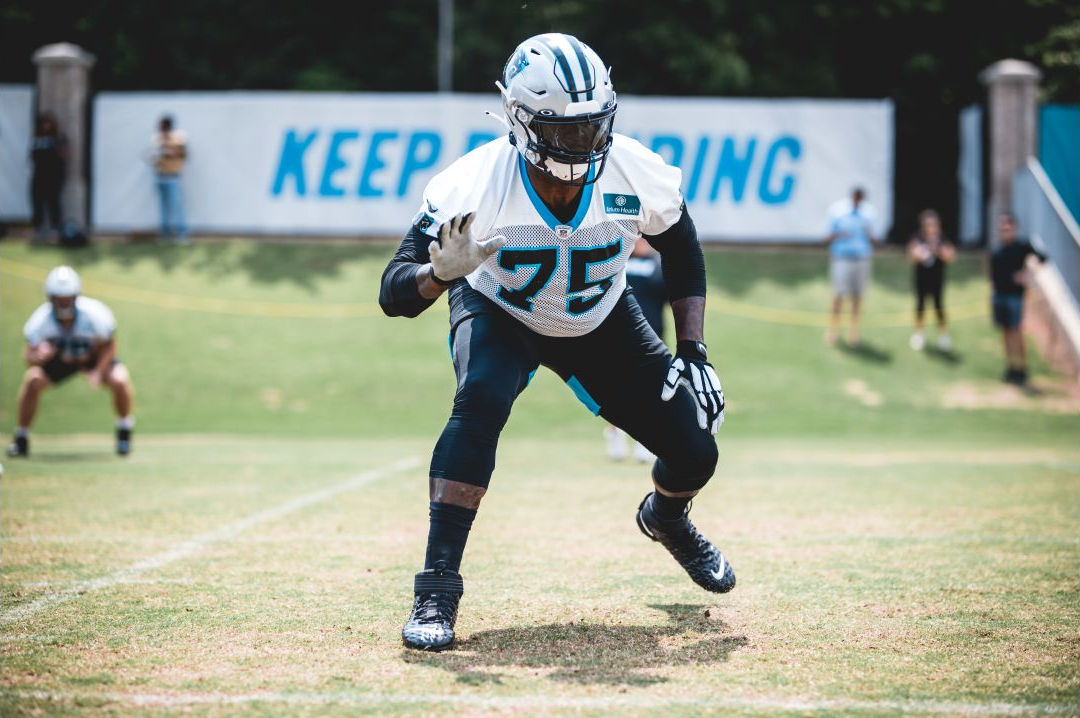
(559,279)
(94,324)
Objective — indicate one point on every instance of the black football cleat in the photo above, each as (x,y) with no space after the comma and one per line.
(20,446)
(123,441)
(431,625)
(695,553)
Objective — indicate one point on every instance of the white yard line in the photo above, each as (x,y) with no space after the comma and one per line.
(195,545)
(545,701)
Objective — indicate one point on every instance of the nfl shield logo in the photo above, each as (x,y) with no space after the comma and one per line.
(563,232)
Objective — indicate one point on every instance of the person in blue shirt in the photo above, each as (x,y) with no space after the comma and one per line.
(851,243)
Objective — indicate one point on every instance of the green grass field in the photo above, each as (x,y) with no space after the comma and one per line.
(905,528)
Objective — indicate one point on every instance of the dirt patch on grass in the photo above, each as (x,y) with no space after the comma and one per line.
(1042,396)
(861,392)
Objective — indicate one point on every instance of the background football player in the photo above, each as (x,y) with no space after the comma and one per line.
(66,335)
(529,235)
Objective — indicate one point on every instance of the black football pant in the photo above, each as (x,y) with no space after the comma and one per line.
(617,371)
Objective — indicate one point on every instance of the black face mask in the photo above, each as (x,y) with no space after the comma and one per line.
(580,138)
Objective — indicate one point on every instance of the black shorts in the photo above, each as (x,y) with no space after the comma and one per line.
(59,371)
(617,371)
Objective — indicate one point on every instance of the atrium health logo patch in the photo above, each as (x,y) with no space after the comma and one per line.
(622,204)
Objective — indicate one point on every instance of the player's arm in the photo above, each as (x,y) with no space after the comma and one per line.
(407,286)
(683,266)
(39,353)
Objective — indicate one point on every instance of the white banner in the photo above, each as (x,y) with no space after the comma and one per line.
(357,164)
(16,132)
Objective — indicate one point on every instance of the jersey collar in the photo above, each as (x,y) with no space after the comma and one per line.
(545,214)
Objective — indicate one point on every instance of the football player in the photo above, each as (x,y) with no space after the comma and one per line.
(529,236)
(66,335)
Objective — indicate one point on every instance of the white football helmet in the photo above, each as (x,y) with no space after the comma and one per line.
(63,282)
(560,105)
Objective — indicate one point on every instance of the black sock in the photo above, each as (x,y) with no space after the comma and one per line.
(449,531)
(669,508)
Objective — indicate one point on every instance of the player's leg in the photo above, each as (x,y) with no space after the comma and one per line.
(118,381)
(860,280)
(918,338)
(163,205)
(618,371)
(493,363)
(937,294)
(34,382)
(838,281)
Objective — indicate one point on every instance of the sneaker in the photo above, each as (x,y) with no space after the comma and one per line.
(1015,376)
(431,625)
(123,441)
(944,343)
(20,446)
(695,553)
(643,455)
(616,443)
(917,341)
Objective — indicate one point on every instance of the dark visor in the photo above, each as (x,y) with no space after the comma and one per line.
(574,135)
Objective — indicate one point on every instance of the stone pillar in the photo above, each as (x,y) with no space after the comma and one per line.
(1011,100)
(63,88)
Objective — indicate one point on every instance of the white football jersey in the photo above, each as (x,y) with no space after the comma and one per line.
(559,279)
(94,324)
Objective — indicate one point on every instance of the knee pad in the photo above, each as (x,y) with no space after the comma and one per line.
(690,472)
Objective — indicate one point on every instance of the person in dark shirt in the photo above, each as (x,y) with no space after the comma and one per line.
(48,153)
(646,280)
(1010,277)
(929,251)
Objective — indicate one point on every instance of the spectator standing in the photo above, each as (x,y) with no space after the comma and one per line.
(48,154)
(1010,278)
(851,243)
(169,146)
(929,251)
(646,280)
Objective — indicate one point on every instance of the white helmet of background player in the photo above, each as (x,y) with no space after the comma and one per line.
(560,105)
(63,282)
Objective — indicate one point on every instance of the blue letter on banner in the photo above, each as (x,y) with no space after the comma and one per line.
(373,164)
(291,162)
(335,163)
(413,161)
(765,187)
(735,168)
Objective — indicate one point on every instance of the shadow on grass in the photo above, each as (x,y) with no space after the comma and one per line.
(950,358)
(298,263)
(866,352)
(47,456)
(590,653)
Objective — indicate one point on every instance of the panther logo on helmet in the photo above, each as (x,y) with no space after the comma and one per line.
(560,105)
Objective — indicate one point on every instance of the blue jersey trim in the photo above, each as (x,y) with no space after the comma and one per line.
(544,212)
(583,395)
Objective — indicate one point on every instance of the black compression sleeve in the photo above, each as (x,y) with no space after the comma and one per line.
(399,296)
(681,259)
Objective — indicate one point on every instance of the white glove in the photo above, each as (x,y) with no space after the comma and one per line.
(455,254)
(690,369)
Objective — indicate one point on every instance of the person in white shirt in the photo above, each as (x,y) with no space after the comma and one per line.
(67,335)
(529,235)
